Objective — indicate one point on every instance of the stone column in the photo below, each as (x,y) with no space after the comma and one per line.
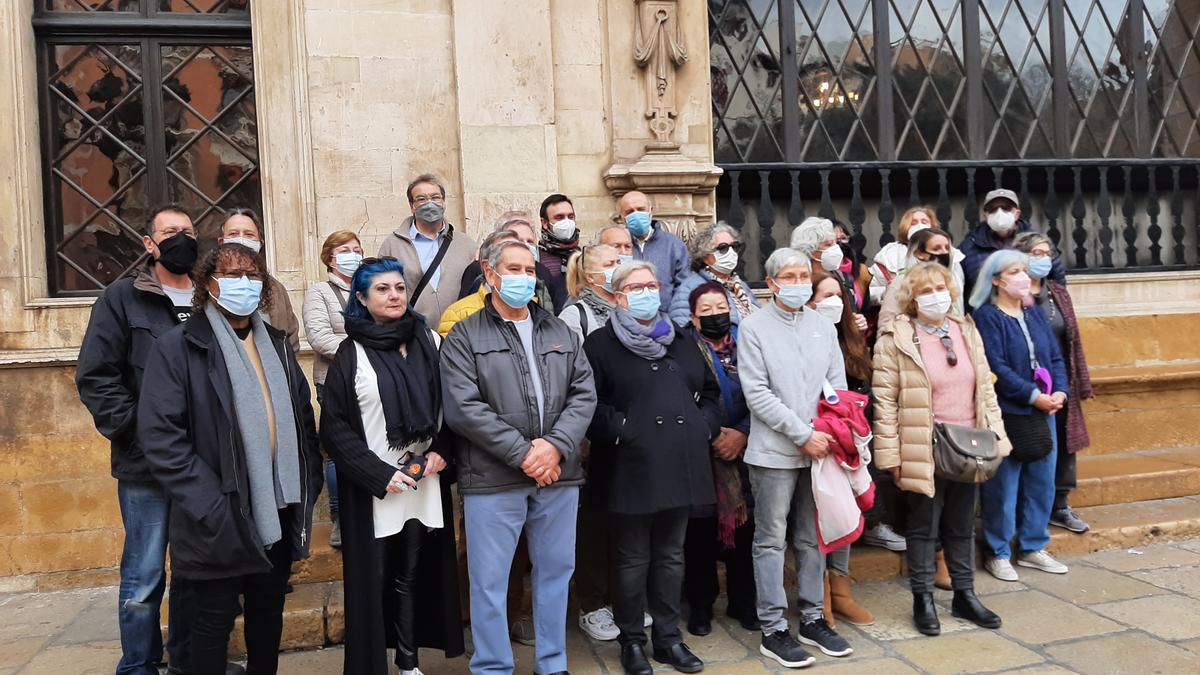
(662,110)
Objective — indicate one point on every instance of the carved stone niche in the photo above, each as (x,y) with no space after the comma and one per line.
(680,187)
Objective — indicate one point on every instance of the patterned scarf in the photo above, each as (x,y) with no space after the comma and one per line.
(737,290)
(599,306)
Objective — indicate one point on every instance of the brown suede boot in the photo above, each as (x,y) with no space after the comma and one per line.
(827,609)
(941,578)
(844,604)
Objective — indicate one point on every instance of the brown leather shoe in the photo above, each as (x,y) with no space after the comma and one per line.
(844,604)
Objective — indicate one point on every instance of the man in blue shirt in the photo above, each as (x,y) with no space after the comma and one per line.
(652,242)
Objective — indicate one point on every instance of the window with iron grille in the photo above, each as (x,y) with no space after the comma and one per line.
(142,102)
(937,80)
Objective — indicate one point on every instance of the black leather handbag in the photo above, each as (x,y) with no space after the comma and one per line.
(965,454)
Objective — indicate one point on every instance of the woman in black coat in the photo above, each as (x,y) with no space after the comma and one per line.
(381,423)
(657,408)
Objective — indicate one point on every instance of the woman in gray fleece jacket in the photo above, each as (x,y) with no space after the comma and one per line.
(786,353)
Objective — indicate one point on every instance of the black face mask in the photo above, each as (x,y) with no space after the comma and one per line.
(943,260)
(715,326)
(848,252)
(178,253)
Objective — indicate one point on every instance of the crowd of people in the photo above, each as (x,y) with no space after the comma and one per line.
(627,415)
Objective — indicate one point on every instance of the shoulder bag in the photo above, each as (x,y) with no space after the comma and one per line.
(965,454)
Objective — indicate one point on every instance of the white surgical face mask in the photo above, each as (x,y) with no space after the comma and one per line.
(831,258)
(563,229)
(830,308)
(1001,221)
(726,262)
(935,305)
(251,244)
(917,227)
(347,262)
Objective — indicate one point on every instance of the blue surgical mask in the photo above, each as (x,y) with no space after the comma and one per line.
(622,258)
(1039,268)
(644,304)
(638,224)
(251,244)
(608,275)
(534,250)
(239,297)
(347,263)
(516,290)
(794,295)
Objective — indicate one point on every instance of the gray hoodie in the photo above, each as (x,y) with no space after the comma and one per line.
(783,359)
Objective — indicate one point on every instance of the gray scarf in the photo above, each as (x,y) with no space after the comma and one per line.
(271,486)
(649,342)
(599,306)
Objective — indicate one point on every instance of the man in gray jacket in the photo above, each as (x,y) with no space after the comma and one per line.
(518,390)
(785,355)
(418,243)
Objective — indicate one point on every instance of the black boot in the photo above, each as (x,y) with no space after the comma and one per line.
(634,661)
(700,621)
(925,616)
(967,606)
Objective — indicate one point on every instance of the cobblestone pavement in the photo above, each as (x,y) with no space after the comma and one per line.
(1124,611)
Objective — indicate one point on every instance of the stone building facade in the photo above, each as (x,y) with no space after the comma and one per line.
(507,100)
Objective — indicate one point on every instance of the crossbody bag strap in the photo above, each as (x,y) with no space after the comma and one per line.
(341,295)
(437,260)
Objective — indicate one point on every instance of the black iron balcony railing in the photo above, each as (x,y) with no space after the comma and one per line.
(1103,215)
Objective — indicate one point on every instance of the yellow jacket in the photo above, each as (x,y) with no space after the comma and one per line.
(461,309)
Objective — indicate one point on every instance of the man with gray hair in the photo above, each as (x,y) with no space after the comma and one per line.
(786,354)
(618,237)
(518,390)
(551,290)
(433,253)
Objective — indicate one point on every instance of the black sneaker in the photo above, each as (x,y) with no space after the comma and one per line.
(820,635)
(783,648)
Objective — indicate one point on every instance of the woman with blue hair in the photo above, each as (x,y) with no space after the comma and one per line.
(1031,385)
(382,424)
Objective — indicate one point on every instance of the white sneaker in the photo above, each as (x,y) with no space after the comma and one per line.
(599,625)
(414,671)
(1001,568)
(1040,560)
(647,620)
(884,536)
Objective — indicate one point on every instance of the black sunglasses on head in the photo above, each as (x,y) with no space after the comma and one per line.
(372,260)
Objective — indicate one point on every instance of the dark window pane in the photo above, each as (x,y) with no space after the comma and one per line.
(1100,79)
(205,6)
(838,115)
(92,5)
(211,131)
(97,161)
(746,80)
(1172,30)
(929,79)
(1018,107)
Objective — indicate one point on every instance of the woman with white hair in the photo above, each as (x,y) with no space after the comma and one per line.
(1031,385)
(714,255)
(816,238)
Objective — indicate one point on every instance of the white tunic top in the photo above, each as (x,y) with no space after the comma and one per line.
(395,509)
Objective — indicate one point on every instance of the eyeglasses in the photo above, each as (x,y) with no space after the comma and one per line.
(374,260)
(422,199)
(724,248)
(638,288)
(238,274)
(951,357)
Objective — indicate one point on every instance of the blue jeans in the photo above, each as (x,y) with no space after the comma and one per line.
(494,522)
(144,511)
(330,472)
(1017,500)
(783,496)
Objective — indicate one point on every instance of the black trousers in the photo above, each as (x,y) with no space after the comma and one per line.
(1064,470)
(592,568)
(948,517)
(701,552)
(402,554)
(889,503)
(216,607)
(648,557)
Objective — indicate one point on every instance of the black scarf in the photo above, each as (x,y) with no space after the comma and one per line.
(563,249)
(409,387)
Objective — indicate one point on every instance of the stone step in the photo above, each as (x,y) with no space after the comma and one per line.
(1113,526)
(1121,478)
(324,562)
(1143,407)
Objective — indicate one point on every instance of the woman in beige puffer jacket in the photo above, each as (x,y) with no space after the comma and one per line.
(923,345)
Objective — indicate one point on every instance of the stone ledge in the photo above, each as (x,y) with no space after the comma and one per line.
(1121,478)
(1146,377)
